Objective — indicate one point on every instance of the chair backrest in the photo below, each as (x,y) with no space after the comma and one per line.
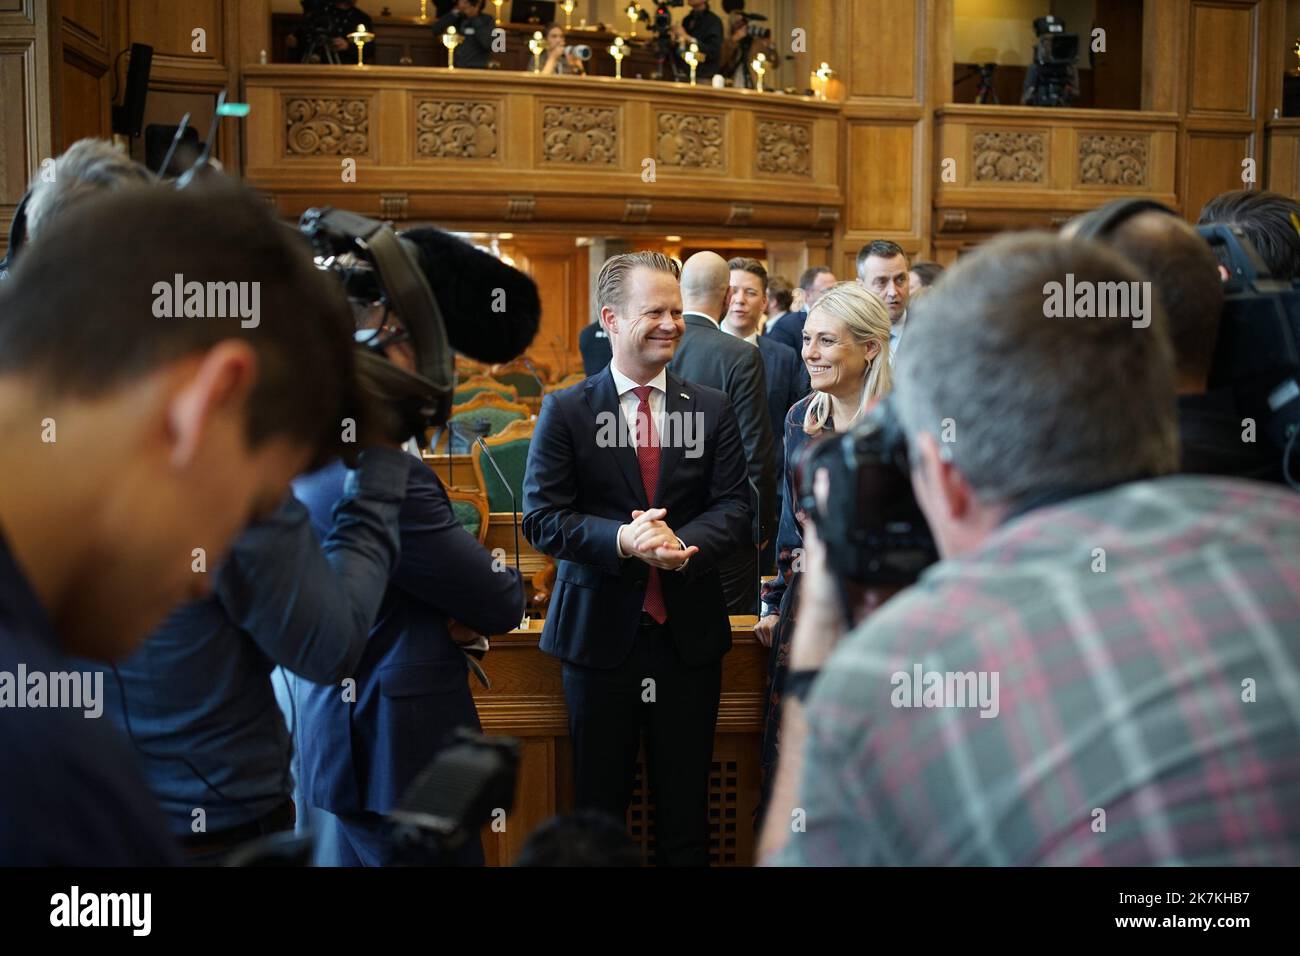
(471,511)
(486,406)
(522,377)
(569,380)
(477,384)
(510,451)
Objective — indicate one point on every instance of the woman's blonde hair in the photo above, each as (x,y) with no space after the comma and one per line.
(867,319)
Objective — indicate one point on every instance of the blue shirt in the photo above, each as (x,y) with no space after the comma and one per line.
(70,793)
(198,694)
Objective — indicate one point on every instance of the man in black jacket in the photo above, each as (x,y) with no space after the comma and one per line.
(475,26)
(709,356)
(702,27)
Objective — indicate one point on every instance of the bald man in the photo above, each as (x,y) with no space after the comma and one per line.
(1184,276)
(709,356)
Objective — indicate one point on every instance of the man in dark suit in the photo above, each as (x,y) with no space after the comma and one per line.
(788,330)
(593,343)
(708,356)
(704,28)
(636,484)
(787,378)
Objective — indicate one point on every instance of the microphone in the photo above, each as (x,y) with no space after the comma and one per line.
(491,310)
(514,505)
(528,364)
(176,141)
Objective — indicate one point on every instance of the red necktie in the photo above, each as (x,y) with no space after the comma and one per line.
(647,456)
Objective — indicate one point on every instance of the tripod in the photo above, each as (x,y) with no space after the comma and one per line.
(320,49)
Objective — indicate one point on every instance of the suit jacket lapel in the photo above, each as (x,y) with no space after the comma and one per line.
(678,426)
(602,396)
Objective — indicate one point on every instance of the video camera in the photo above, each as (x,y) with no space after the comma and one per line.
(1053,77)
(873,528)
(376,265)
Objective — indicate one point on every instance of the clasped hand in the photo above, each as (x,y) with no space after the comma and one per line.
(652,541)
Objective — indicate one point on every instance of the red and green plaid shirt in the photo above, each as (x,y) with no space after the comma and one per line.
(1146,642)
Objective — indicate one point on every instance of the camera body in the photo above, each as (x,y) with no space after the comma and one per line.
(873,528)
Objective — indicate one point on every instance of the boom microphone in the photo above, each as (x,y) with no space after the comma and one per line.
(492,310)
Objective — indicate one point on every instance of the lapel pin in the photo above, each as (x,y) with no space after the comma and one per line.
(684,395)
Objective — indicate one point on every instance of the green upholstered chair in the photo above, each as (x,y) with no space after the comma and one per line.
(510,451)
(471,511)
(478,384)
(524,379)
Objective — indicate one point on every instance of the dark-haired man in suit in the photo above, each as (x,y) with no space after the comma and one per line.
(787,379)
(788,330)
(636,484)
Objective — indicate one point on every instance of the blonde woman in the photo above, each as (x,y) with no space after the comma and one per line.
(846,352)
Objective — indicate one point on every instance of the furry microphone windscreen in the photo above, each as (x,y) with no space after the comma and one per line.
(491,310)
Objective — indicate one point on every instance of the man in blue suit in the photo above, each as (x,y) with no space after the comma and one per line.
(636,483)
(788,330)
(364,740)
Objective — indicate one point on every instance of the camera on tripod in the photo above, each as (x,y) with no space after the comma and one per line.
(1053,77)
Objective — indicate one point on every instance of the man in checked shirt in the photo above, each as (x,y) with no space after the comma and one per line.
(1144,628)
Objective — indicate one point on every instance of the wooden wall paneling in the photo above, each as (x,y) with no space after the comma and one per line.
(1223,125)
(559,267)
(1221,77)
(886,59)
(88,37)
(1284,157)
(29,80)
(1212,164)
(880,196)
(1164,61)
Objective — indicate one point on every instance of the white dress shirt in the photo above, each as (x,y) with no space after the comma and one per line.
(628,404)
(751,339)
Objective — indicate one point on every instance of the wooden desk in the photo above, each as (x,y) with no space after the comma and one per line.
(527,702)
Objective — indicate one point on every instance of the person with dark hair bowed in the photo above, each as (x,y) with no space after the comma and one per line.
(1184,275)
(338,19)
(476,26)
(636,485)
(1269,221)
(210,418)
(788,329)
(1073,682)
(883,270)
(846,351)
(922,275)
